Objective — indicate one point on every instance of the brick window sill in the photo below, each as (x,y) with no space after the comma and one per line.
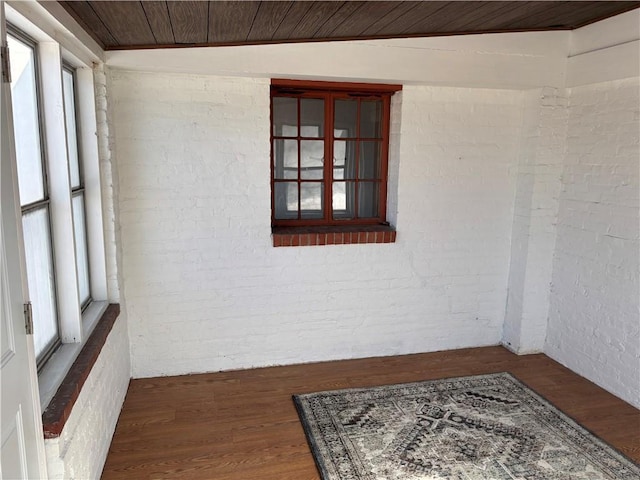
(57,412)
(332,235)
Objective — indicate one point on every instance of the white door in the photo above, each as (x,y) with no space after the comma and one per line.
(22,454)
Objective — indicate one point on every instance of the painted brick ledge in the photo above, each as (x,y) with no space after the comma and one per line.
(332,235)
(57,412)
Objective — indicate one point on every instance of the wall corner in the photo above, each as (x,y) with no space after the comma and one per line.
(535,212)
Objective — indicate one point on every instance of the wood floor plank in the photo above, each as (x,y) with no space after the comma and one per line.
(243,425)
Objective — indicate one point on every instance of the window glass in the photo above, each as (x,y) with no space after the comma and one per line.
(344,155)
(37,246)
(368,195)
(70,121)
(369,166)
(285,159)
(370,119)
(311,159)
(26,123)
(311,117)
(346,117)
(285,116)
(311,202)
(286,200)
(339,199)
(82,261)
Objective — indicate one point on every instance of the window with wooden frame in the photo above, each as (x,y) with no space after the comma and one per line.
(348,124)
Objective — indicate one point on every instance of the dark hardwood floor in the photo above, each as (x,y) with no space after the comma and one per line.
(242,425)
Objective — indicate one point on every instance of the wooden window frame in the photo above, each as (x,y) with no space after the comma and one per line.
(329,92)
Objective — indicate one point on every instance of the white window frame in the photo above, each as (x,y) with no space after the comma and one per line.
(44,203)
(79,190)
(75,323)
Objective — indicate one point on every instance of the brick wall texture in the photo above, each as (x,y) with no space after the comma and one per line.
(496,196)
(594,321)
(81,449)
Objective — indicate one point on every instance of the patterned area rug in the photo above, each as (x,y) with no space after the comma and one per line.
(481,427)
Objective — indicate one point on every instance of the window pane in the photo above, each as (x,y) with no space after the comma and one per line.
(70,121)
(369,167)
(312,117)
(368,194)
(311,159)
(82,260)
(285,159)
(285,116)
(371,119)
(26,122)
(37,245)
(344,155)
(286,200)
(343,200)
(345,117)
(340,133)
(311,200)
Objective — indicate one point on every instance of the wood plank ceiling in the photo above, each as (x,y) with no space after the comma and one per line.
(153,24)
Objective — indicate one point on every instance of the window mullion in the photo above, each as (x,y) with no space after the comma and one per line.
(384,152)
(299,102)
(60,192)
(328,155)
(34,205)
(356,180)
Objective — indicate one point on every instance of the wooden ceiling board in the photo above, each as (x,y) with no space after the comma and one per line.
(489,13)
(126,21)
(231,21)
(419,18)
(565,14)
(315,17)
(347,10)
(574,17)
(398,11)
(158,17)
(190,21)
(553,14)
(147,24)
(475,13)
(89,20)
(549,15)
(291,19)
(367,14)
(507,16)
(268,18)
(435,20)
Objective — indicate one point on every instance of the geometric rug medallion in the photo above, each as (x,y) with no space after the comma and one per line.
(469,428)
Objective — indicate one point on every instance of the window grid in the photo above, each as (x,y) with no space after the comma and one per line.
(329,183)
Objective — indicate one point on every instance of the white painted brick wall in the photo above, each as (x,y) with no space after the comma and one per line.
(81,450)
(542,151)
(206,290)
(594,321)
(108,178)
